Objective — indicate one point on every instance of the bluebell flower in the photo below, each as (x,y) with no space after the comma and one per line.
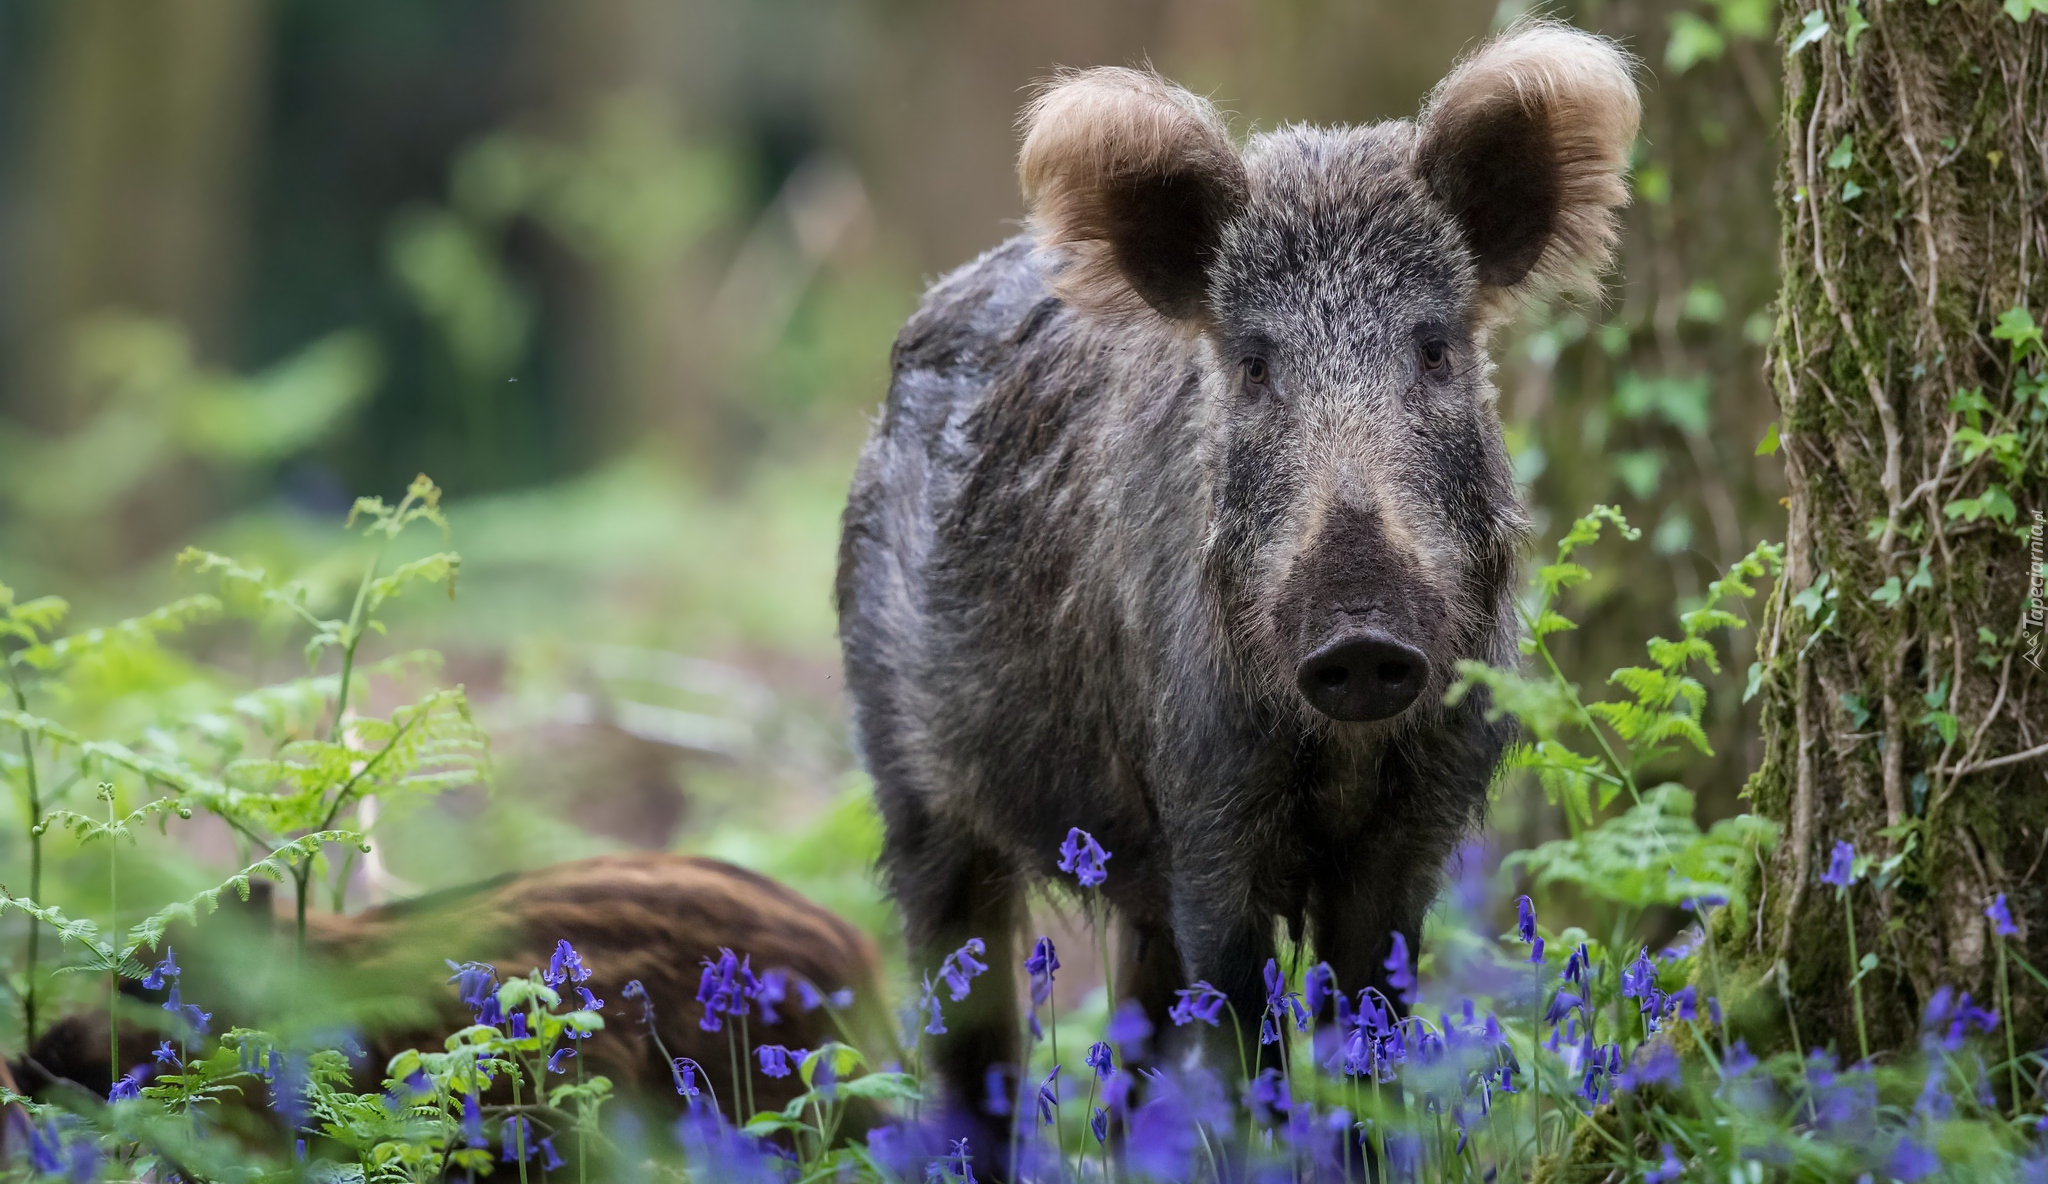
(961,967)
(46,1147)
(1268,1097)
(202,1020)
(1934,1101)
(995,1091)
(1683,1003)
(1049,1098)
(634,992)
(517,1029)
(1129,1029)
(1912,1160)
(82,1164)
(1082,858)
(472,1121)
(556,1059)
(566,966)
(129,1086)
(684,1072)
(587,1001)
(549,1160)
(1576,966)
(516,1136)
(1199,1002)
(1668,1169)
(771,991)
(164,970)
(2001,917)
(1040,966)
(1400,972)
(1562,1004)
(1099,1124)
(1319,987)
(289,1086)
(166,1055)
(1841,866)
(1655,1065)
(1100,1060)
(775,1059)
(1536,952)
(928,1002)
(1699,905)
(721,990)
(1525,919)
(477,985)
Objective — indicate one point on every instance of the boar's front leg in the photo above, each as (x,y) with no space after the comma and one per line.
(952,890)
(1225,940)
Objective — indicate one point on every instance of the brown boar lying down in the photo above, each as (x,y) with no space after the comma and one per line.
(649,917)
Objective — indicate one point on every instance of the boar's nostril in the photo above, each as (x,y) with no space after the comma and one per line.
(1363,676)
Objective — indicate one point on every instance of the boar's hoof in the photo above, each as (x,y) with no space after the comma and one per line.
(1361,677)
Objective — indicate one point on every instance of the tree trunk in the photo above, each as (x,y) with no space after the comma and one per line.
(1903,704)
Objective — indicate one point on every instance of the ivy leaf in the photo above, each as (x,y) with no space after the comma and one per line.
(1768,446)
(1888,593)
(1844,154)
(1943,723)
(2020,10)
(2017,324)
(1994,502)
(1851,191)
(1812,29)
(1855,27)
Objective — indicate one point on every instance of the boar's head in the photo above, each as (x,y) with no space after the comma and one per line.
(1340,285)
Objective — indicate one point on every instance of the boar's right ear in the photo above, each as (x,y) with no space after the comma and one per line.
(1526,143)
(1135,179)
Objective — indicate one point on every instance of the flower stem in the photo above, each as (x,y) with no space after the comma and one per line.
(1855,975)
(2012,1059)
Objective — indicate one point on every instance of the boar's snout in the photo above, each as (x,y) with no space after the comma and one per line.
(1363,676)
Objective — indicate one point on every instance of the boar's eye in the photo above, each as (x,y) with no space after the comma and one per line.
(1256,375)
(1435,355)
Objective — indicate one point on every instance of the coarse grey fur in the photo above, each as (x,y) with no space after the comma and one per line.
(1222,411)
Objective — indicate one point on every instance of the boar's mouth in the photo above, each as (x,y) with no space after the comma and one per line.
(1363,675)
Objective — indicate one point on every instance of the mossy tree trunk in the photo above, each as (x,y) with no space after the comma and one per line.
(1903,702)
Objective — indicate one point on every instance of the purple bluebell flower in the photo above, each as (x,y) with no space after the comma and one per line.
(928,1002)
(516,1136)
(202,1020)
(1100,1060)
(566,966)
(1668,1169)
(166,1055)
(130,1085)
(1400,971)
(1049,1098)
(1099,1124)
(1655,1065)
(775,1059)
(1912,1160)
(1738,1060)
(1199,1002)
(472,1121)
(1562,1004)
(1040,966)
(772,989)
(961,967)
(841,998)
(1699,905)
(166,970)
(1319,987)
(1082,858)
(1536,952)
(1683,1003)
(995,1091)
(721,989)
(1841,866)
(1525,919)
(1268,1097)
(516,1027)
(557,1059)
(685,1073)
(477,984)
(1577,965)
(46,1147)
(549,1160)
(1129,1029)
(588,1002)
(2001,917)
(959,1165)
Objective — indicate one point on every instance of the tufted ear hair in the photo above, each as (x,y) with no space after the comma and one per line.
(1526,143)
(1134,178)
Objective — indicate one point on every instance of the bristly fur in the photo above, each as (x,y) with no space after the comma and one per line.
(1223,415)
(1112,150)
(1577,94)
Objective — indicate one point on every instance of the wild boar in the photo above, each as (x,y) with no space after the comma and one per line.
(649,917)
(1183,508)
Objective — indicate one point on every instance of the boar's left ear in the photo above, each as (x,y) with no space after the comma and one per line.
(1526,143)
(1135,179)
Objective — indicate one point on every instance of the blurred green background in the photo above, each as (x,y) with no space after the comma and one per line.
(622,276)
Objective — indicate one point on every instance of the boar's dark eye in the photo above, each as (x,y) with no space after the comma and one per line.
(1435,355)
(1256,375)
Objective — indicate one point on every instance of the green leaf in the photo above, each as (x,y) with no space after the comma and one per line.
(2016,325)
(1692,41)
(1888,593)
(1768,446)
(2020,10)
(1853,30)
(1922,578)
(1943,723)
(1844,154)
(1812,29)
(1851,191)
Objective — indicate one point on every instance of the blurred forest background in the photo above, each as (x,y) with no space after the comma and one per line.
(622,275)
